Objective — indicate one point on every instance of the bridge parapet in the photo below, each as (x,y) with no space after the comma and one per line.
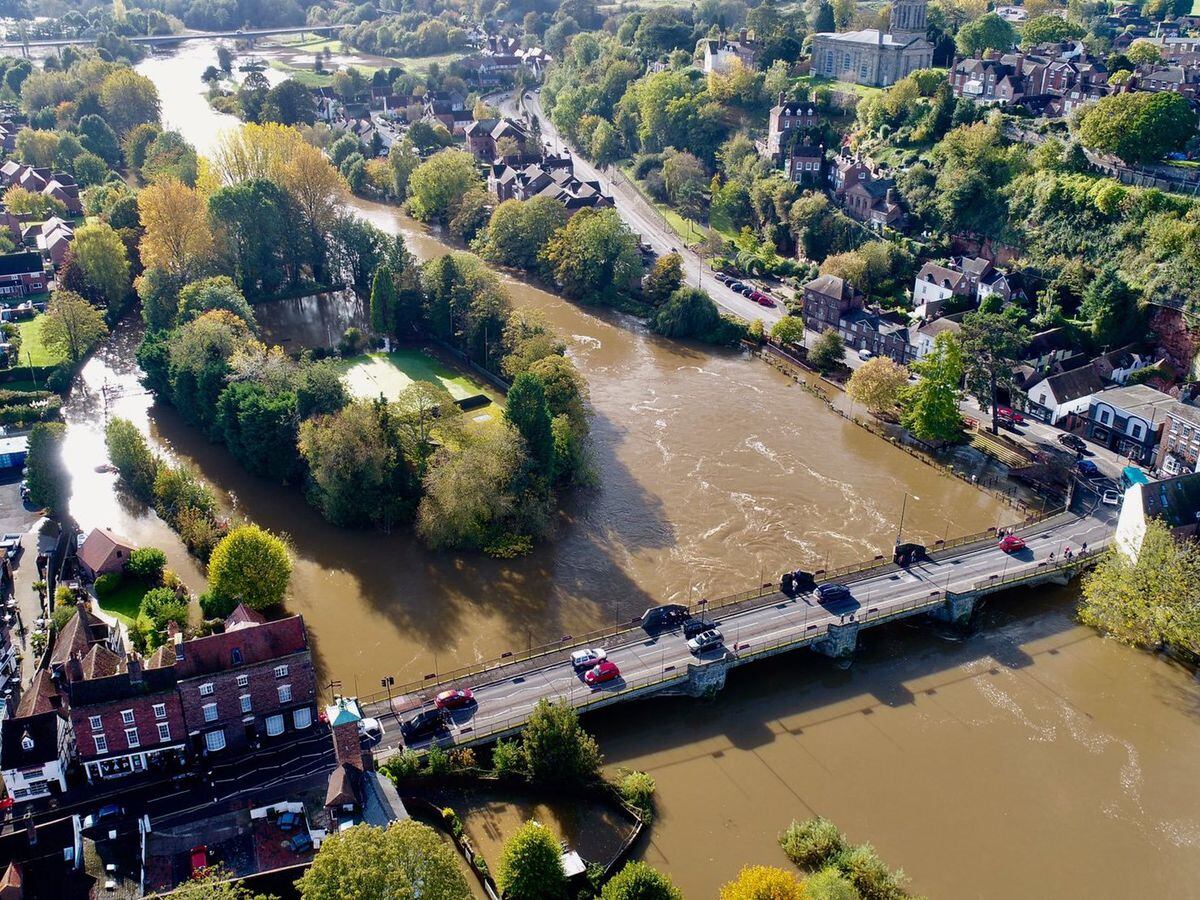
(839,642)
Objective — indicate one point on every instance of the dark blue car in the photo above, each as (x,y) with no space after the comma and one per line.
(1087,469)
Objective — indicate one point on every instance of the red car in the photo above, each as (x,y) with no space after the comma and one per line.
(1004,412)
(1010,543)
(454,699)
(602,672)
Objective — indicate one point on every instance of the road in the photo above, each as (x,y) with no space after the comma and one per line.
(646,221)
(506,702)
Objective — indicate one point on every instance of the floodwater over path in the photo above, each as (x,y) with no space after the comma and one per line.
(1033,759)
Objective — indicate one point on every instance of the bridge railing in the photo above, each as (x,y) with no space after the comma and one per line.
(1044,567)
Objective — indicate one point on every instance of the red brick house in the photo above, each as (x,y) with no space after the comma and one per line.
(104,552)
(21,274)
(251,684)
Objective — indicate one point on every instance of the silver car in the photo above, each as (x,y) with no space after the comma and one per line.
(705,641)
(585,659)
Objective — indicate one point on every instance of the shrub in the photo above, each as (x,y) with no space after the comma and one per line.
(105,586)
(404,764)
(530,867)
(62,616)
(870,876)
(637,788)
(638,881)
(507,758)
(829,884)
(146,564)
(453,822)
(462,758)
(812,844)
(437,761)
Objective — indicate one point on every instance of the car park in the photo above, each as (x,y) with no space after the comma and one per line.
(1010,543)
(585,659)
(705,641)
(830,591)
(602,672)
(1073,442)
(424,724)
(455,699)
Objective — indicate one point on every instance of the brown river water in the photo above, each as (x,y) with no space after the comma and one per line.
(1031,759)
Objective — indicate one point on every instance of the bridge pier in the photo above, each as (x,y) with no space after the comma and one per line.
(707,679)
(840,641)
(956,609)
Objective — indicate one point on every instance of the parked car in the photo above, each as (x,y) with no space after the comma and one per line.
(722,277)
(1010,543)
(768,302)
(693,627)
(103,814)
(705,641)
(1007,413)
(372,729)
(660,618)
(602,672)
(586,659)
(1088,469)
(864,353)
(424,724)
(455,699)
(757,296)
(736,285)
(746,291)
(1073,442)
(1111,498)
(831,591)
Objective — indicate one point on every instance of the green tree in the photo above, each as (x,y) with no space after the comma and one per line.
(90,170)
(101,254)
(518,230)
(319,389)
(829,884)
(789,330)
(688,313)
(136,142)
(250,220)
(639,881)
(216,293)
(595,256)
(1143,52)
(289,103)
(827,351)
(530,868)
(1137,126)
(130,453)
(556,748)
(159,293)
(931,405)
(992,345)
(97,136)
(48,478)
(437,185)
(664,278)
(147,564)
(988,32)
(129,100)
(383,301)
(407,859)
(21,202)
(258,424)
(1048,29)
(1112,308)
(526,409)
(213,884)
(71,325)
(250,565)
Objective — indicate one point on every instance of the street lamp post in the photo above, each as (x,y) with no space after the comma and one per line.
(903,508)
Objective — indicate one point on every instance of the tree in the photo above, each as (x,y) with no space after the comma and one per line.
(1049,29)
(37,147)
(688,313)
(877,384)
(812,844)
(829,884)
(250,565)
(1143,52)
(178,238)
(100,253)
(988,32)
(407,859)
(129,100)
(789,330)
(556,748)
(159,293)
(518,230)
(664,278)
(436,186)
(72,325)
(931,405)
(1146,594)
(595,256)
(639,881)
(763,883)
(992,345)
(383,300)
(1111,307)
(289,103)
(213,884)
(135,143)
(319,390)
(207,294)
(130,453)
(48,478)
(827,351)
(97,136)
(530,868)
(258,424)
(21,202)
(90,170)
(526,409)
(170,156)
(1137,126)
(147,564)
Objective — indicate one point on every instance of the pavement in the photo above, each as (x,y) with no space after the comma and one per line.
(644,219)
(506,702)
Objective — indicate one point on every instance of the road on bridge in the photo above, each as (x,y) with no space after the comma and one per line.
(505,702)
(244,34)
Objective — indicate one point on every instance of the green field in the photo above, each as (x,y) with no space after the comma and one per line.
(33,351)
(372,374)
(126,601)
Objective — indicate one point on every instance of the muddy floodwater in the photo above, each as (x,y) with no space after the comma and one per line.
(1032,759)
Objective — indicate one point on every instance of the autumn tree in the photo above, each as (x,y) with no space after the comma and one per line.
(664,278)
(789,330)
(931,405)
(437,186)
(100,254)
(763,883)
(877,384)
(21,202)
(177,236)
(250,565)
(72,326)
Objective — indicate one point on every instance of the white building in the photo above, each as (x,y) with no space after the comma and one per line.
(924,336)
(1173,501)
(36,743)
(1057,396)
(934,287)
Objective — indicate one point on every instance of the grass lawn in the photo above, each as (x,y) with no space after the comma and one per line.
(372,374)
(32,346)
(687,233)
(126,601)
(306,76)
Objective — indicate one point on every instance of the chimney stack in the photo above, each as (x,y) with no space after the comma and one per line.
(133,665)
(74,668)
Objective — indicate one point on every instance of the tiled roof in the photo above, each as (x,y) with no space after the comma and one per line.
(40,697)
(343,786)
(1074,384)
(1174,500)
(99,544)
(256,644)
(81,631)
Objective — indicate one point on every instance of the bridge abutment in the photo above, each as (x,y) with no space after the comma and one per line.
(956,609)
(707,679)
(840,641)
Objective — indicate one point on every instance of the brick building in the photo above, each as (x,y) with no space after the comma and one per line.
(21,274)
(252,683)
(789,117)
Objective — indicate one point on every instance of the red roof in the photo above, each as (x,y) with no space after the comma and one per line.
(257,643)
(99,546)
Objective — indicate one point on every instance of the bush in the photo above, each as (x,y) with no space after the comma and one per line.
(453,822)
(437,761)
(870,876)
(637,788)
(405,764)
(812,844)
(64,596)
(507,758)
(638,881)
(106,585)
(147,564)
(829,884)
(529,866)
(62,616)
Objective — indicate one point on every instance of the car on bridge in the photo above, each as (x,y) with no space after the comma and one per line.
(455,699)
(705,641)
(693,627)
(831,591)
(603,671)
(424,724)
(586,659)
(660,618)
(1010,543)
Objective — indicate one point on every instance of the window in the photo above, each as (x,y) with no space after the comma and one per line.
(127,717)
(96,723)
(131,737)
(101,743)
(215,740)
(206,689)
(281,671)
(160,710)
(302,718)
(1104,417)
(274,725)
(285,693)
(26,742)
(235,656)
(164,731)
(243,680)
(245,701)
(210,712)
(1137,432)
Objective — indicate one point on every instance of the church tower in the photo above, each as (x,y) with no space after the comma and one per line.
(907,19)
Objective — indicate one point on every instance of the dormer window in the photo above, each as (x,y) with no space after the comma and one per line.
(26,742)
(236,656)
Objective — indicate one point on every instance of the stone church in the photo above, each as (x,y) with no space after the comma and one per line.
(873,57)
